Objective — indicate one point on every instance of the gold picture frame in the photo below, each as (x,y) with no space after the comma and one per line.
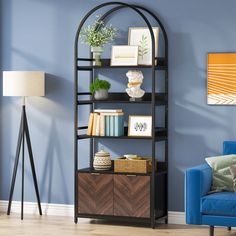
(140,36)
(124,55)
(140,126)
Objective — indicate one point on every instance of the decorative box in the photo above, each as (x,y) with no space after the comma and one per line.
(133,166)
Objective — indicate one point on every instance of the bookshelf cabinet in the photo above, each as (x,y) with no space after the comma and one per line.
(122,196)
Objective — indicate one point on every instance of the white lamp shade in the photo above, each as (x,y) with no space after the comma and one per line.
(23,83)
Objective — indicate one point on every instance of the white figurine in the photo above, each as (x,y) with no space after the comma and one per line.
(135,80)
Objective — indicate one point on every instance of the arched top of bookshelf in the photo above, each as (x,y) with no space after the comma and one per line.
(118,6)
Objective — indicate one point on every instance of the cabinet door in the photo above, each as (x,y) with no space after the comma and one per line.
(95,193)
(132,196)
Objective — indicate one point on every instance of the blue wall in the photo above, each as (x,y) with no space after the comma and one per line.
(39,35)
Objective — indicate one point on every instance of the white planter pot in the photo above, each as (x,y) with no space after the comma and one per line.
(101,94)
(97,52)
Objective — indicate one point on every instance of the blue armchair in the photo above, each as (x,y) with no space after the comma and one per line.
(217,209)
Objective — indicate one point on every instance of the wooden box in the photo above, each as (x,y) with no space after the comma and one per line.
(133,166)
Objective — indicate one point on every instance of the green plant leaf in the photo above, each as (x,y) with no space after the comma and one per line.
(143,43)
(99,84)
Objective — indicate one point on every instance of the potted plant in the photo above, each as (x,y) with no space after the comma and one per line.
(100,89)
(96,36)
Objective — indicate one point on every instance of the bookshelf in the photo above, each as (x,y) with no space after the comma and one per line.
(150,203)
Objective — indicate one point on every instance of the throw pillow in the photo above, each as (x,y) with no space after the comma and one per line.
(233,173)
(222,179)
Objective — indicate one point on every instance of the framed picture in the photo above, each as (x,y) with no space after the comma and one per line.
(124,56)
(141,37)
(221,79)
(140,126)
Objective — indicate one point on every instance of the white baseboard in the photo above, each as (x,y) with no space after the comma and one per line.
(32,208)
(174,217)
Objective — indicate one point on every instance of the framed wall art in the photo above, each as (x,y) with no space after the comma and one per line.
(140,126)
(221,79)
(141,37)
(124,55)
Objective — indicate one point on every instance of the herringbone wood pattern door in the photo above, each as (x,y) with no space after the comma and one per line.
(95,193)
(132,196)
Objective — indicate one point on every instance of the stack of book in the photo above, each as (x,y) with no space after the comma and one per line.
(106,122)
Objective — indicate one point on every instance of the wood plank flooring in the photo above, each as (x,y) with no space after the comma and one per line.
(34,225)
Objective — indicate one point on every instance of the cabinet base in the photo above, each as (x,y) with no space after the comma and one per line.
(124,219)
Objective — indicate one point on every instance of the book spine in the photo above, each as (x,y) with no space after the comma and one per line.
(107,125)
(94,124)
(112,125)
(121,126)
(102,125)
(116,125)
(98,125)
(90,124)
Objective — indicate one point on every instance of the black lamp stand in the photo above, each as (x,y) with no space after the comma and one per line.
(23,134)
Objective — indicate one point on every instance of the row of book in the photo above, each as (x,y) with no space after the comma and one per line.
(106,122)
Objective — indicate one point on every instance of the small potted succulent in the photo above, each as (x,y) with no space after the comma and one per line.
(100,89)
(96,36)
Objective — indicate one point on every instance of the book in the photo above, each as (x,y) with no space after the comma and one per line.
(94,123)
(107,125)
(90,124)
(102,124)
(119,126)
(108,110)
(112,125)
(112,114)
(97,133)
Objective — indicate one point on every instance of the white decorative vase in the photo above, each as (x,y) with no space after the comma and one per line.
(135,80)
(101,94)
(97,52)
(102,160)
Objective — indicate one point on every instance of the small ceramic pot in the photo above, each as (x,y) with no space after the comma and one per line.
(102,160)
(101,94)
(97,52)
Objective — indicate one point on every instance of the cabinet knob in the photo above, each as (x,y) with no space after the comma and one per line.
(95,173)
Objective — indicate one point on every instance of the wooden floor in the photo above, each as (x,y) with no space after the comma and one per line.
(61,226)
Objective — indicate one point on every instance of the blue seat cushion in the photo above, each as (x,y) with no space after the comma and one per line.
(219,204)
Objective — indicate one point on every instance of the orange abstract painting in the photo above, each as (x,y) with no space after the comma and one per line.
(221,79)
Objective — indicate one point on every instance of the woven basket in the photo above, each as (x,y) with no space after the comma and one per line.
(133,166)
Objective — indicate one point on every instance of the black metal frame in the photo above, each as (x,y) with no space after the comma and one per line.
(140,11)
(23,133)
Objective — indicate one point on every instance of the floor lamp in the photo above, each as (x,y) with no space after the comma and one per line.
(23,84)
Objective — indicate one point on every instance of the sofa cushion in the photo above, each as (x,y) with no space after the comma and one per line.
(220,204)
(222,179)
(233,173)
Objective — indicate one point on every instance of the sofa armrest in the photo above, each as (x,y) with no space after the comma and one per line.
(197,184)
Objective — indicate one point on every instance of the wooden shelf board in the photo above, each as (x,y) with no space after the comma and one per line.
(161,135)
(91,170)
(160,99)
(161,65)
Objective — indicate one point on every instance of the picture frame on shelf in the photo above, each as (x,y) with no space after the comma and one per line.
(141,37)
(140,126)
(124,55)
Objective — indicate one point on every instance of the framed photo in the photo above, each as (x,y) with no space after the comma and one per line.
(221,79)
(141,37)
(140,126)
(124,56)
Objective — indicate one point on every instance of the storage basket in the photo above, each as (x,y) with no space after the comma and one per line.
(133,166)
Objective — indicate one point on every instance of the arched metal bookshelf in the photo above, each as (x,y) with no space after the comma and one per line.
(159,176)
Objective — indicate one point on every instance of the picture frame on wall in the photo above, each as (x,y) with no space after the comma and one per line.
(221,78)
(140,126)
(124,55)
(141,37)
